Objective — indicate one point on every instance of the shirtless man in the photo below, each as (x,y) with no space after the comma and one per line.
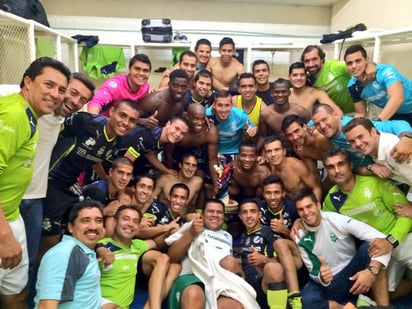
(225,69)
(200,141)
(307,142)
(293,172)
(159,107)
(186,175)
(305,95)
(272,116)
(247,174)
(261,71)
(187,63)
(247,99)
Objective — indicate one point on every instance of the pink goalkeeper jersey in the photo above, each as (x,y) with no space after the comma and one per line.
(115,89)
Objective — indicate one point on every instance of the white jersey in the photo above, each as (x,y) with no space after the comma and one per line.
(334,241)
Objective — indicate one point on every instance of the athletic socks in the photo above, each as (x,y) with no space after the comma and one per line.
(277,295)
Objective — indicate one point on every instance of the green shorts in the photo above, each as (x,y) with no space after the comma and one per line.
(180,284)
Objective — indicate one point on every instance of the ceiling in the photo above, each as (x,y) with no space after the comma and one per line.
(327,3)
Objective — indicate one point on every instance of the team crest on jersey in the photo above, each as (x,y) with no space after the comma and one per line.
(330,76)
(233,126)
(101,151)
(28,162)
(367,192)
(258,239)
(333,237)
(375,85)
(247,242)
(113,84)
(90,142)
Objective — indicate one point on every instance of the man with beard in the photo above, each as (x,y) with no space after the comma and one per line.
(201,140)
(225,69)
(160,106)
(282,166)
(187,175)
(305,95)
(272,116)
(133,86)
(261,71)
(87,139)
(247,173)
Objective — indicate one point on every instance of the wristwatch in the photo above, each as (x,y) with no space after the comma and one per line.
(392,240)
(374,270)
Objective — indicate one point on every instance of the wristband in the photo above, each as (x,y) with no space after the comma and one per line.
(369,167)
(98,245)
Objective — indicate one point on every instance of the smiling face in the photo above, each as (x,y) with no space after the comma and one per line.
(88,226)
(175,130)
(275,153)
(363,141)
(339,170)
(247,157)
(274,194)
(178,200)
(222,107)
(196,117)
(214,216)
(120,176)
(127,225)
(309,211)
(46,92)
(296,134)
(203,53)
(250,214)
(247,88)
(356,64)
(298,78)
(76,96)
(326,123)
(188,167)
(138,74)
(312,61)
(261,73)
(281,93)
(203,86)
(123,118)
(143,190)
(188,64)
(226,53)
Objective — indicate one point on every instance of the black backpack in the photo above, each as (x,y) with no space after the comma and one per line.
(29,9)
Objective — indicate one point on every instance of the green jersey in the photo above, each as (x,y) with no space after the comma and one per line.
(334,79)
(117,280)
(18,140)
(371,201)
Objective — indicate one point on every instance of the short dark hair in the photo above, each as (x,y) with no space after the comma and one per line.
(141,58)
(203,73)
(180,185)
(188,53)
(273,138)
(226,40)
(131,103)
(203,42)
(36,68)
(187,155)
(132,207)
(246,201)
(336,152)
(222,94)
(303,193)
(213,201)
(121,160)
(248,143)
(309,48)
(140,176)
(74,212)
(290,119)
(281,81)
(259,61)
(354,49)
(179,118)
(364,122)
(296,65)
(269,180)
(324,106)
(85,80)
(244,76)
(178,74)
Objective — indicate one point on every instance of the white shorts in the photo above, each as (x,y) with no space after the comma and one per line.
(13,281)
(401,259)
